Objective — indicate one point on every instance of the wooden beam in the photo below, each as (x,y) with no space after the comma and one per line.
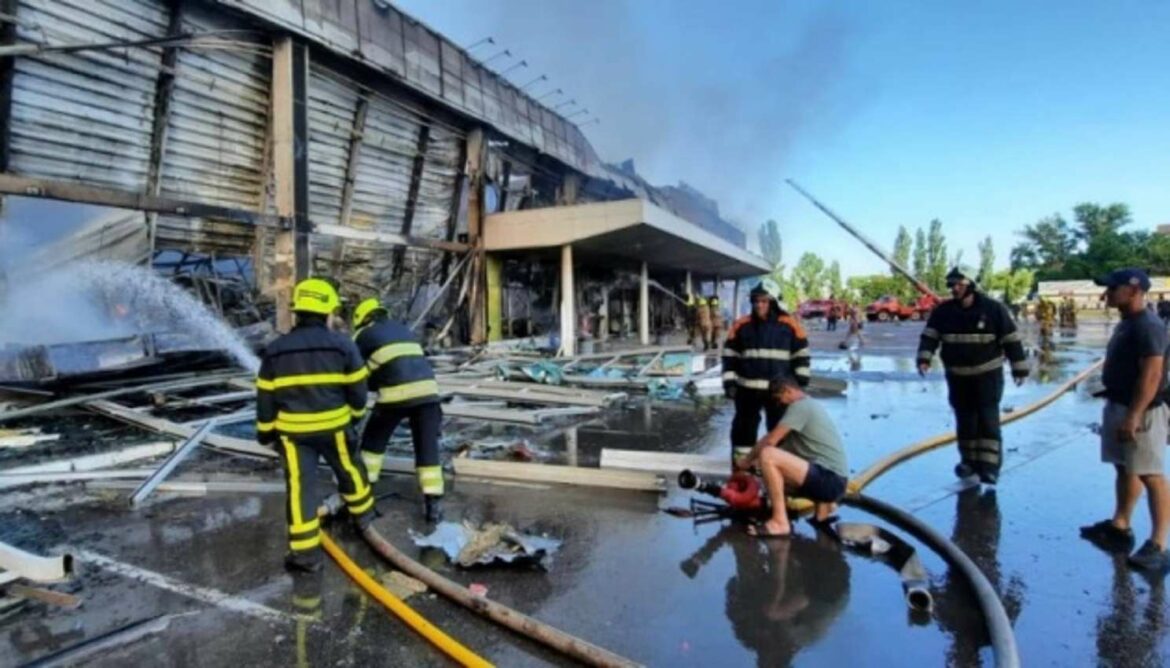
(300,111)
(568,475)
(284,174)
(390,239)
(351,164)
(669,463)
(218,441)
(416,171)
(164,87)
(69,191)
(456,204)
(7,71)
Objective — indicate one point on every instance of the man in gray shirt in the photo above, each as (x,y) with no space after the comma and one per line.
(803,455)
(1134,422)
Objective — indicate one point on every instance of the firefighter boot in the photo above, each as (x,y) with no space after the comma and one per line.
(307,561)
(433,508)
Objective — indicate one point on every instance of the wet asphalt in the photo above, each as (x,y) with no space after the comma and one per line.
(656,588)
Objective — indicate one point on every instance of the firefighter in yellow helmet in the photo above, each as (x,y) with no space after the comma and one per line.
(311,387)
(404,383)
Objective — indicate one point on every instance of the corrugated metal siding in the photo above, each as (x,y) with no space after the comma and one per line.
(382,180)
(437,188)
(219,119)
(204,234)
(332,107)
(85,116)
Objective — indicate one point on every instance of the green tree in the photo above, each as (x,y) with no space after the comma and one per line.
(771,246)
(1012,286)
(836,286)
(919,254)
(1095,221)
(867,289)
(936,258)
(986,260)
(810,276)
(1048,244)
(903,244)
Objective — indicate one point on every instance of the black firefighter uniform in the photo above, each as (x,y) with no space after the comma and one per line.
(974,343)
(311,385)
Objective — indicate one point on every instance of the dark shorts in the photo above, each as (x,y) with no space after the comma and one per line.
(821,485)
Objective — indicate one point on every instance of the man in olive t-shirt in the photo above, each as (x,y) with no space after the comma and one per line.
(803,452)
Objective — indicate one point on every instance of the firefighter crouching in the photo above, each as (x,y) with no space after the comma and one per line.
(310,389)
(976,332)
(761,346)
(405,389)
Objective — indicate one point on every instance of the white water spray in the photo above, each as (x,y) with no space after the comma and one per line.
(88,301)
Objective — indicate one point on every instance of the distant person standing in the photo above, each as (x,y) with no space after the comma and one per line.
(975,332)
(834,315)
(1164,309)
(693,305)
(716,314)
(1134,421)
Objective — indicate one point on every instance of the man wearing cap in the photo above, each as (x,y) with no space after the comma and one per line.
(1134,421)
(976,333)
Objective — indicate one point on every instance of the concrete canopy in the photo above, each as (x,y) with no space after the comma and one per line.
(632,229)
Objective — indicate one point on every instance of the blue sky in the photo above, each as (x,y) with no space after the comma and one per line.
(987,115)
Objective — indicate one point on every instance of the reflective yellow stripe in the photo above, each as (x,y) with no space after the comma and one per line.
(925,355)
(930,333)
(262,384)
(729,375)
(968,338)
(802,353)
(316,379)
(430,479)
(311,525)
(305,423)
(319,416)
(766,354)
(408,391)
(802,371)
(362,507)
(347,465)
(306,602)
(393,351)
(373,462)
(294,482)
(752,384)
(356,412)
(306,544)
(1021,366)
(1011,338)
(977,369)
(728,352)
(265,426)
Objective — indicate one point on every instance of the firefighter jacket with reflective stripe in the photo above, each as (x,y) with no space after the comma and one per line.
(759,350)
(399,371)
(974,340)
(312,381)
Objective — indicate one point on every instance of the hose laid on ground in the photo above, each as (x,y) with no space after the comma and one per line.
(444,642)
(999,626)
(549,636)
(863,479)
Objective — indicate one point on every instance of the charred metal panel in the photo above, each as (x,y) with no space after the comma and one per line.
(334,22)
(85,116)
(332,105)
(204,234)
(380,33)
(427,62)
(219,117)
(432,208)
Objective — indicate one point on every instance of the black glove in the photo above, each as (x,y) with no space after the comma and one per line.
(268,439)
(352,437)
(729,390)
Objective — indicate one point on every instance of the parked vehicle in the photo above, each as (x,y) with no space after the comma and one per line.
(890,307)
(814,308)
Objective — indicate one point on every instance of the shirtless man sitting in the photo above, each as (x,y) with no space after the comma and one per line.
(802,457)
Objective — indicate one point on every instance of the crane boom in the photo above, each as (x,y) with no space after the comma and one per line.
(869,243)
